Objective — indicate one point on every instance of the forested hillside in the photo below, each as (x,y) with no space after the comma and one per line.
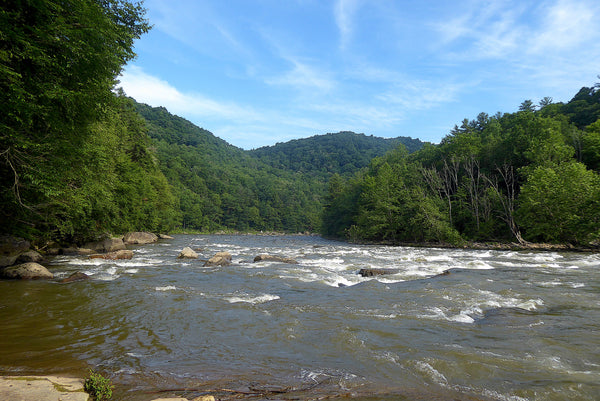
(323,155)
(532,175)
(221,187)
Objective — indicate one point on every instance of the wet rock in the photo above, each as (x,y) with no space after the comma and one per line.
(77,276)
(220,259)
(122,254)
(139,237)
(273,258)
(371,272)
(164,236)
(27,271)
(106,245)
(444,273)
(187,253)
(30,256)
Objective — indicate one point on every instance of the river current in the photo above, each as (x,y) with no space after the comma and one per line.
(502,325)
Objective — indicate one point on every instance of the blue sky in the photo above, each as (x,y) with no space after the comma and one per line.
(258,72)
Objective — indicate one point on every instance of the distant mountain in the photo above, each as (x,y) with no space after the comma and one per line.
(275,188)
(343,153)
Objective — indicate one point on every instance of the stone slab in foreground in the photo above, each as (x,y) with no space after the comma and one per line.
(41,388)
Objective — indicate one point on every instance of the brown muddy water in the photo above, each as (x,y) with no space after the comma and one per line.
(502,326)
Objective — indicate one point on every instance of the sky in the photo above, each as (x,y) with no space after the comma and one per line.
(259,72)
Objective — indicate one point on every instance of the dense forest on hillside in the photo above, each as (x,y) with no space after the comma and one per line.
(220,186)
(532,175)
(75,160)
(321,156)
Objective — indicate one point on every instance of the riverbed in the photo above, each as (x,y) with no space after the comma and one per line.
(503,325)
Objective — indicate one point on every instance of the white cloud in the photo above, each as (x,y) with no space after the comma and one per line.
(156,92)
(344,12)
(303,76)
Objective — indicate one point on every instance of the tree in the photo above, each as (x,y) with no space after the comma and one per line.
(59,60)
(527,105)
(561,203)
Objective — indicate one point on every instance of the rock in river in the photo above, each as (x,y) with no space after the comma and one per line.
(122,254)
(370,272)
(272,258)
(187,253)
(220,259)
(139,238)
(29,270)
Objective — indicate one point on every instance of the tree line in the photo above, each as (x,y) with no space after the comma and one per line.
(532,175)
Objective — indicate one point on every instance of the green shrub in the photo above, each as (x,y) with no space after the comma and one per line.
(99,387)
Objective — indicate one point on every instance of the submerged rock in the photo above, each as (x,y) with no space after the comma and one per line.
(27,271)
(273,258)
(371,272)
(220,259)
(187,253)
(139,237)
(122,254)
(77,276)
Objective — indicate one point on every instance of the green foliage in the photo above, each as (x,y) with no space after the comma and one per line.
(513,176)
(561,203)
(321,156)
(75,160)
(98,386)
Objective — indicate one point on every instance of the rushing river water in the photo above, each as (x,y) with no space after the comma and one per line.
(501,326)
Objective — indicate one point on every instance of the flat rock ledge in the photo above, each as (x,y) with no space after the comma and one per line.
(42,388)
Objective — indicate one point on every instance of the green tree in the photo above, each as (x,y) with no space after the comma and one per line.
(561,203)
(59,61)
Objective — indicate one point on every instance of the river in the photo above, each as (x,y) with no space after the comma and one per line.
(502,325)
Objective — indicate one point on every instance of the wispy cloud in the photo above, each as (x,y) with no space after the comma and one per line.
(303,77)
(344,11)
(156,92)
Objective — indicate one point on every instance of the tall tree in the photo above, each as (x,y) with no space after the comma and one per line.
(59,60)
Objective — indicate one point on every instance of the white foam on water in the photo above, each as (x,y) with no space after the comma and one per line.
(497,396)
(166,288)
(251,299)
(430,372)
(131,271)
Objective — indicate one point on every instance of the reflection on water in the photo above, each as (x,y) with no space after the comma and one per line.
(500,326)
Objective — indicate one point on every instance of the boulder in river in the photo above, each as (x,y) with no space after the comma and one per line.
(139,237)
(122,254)
(164,236)
(220,259)
(187,253)
(272,258)
(77,276)
(371,272)
(106,245)
(29,270)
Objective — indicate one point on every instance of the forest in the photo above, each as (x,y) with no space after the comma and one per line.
(79,160)
(527,176)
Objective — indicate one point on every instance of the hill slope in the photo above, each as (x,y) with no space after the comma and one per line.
(343,153)
(277,188)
